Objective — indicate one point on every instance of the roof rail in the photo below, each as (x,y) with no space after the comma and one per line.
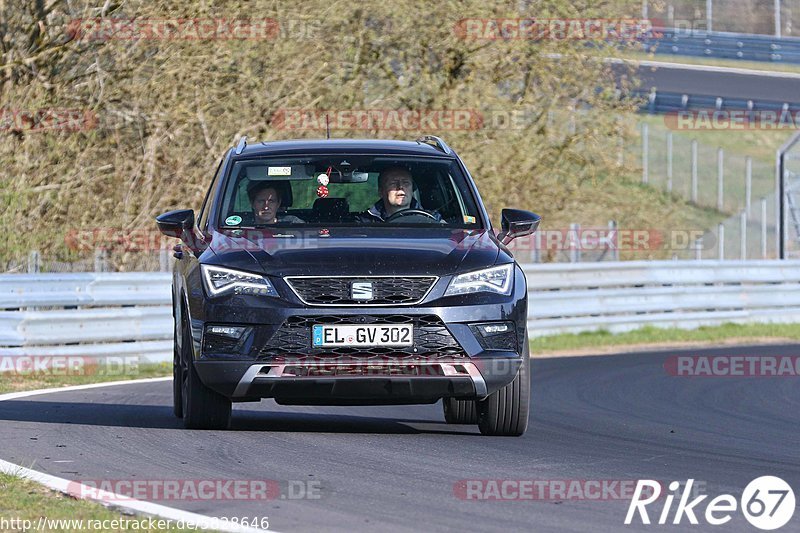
(436,142)
(241,145)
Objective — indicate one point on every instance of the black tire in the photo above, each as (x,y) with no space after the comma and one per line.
(505,412)
(202,408)
(459,411)
(177,375)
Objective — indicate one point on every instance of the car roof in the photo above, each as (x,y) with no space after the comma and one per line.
(334,146)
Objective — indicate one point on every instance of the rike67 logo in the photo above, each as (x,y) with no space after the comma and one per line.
(767,502)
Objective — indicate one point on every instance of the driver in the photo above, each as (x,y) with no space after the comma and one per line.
(396,187)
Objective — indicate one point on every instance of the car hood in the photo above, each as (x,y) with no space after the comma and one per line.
(355,251)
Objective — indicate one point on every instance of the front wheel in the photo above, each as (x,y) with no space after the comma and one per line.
(202,408)
(177,377)
(505,412)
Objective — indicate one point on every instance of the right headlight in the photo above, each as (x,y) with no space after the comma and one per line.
(219,280)
(498,279)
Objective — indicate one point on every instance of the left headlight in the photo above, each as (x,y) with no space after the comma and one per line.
(219,280)
(499,280)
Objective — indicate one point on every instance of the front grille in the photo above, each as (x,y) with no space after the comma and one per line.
(432,340)
(401,290)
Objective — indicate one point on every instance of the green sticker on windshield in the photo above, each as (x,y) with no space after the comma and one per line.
(234,220)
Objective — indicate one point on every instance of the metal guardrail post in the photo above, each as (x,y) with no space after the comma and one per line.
(721,242)
(694,171)
(698,249)
(720,179)
(645,152)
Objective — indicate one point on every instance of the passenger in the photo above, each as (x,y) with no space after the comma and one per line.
(265,199)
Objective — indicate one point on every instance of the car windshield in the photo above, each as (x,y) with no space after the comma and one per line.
(348,190)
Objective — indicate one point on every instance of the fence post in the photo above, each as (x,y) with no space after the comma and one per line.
(100,260)
(743,235)
(669,162)
(612,232)
(721,242)
(574,251)
(163,260)
(709,15)
(694,171)
(764,228)
(748,184)
(720,179)
(34,262)
(645,152)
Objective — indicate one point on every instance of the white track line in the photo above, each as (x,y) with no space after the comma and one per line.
(108,499)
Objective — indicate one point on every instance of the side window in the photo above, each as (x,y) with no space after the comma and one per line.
(206,209)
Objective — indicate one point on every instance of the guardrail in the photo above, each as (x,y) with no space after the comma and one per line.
(725,45)
(110,314)
(570,298)
(654,101)
(92,314)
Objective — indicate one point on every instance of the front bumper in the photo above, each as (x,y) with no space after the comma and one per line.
(449,359)
(360,382)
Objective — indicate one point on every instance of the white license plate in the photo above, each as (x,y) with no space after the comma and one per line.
(353,335)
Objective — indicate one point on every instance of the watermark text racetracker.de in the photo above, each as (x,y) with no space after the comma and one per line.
(68,365)
(196,489)
(584,238)
(735,366)
(732,120)
(50,119)
(553,29)
(191,29)
(545,489)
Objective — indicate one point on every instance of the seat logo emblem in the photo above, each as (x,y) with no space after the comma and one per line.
(362,290)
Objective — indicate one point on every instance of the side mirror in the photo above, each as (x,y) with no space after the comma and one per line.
(175,223)
(517,223)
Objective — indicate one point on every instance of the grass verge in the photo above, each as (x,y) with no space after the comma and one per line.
(11,382)
(26,505)
(654,338)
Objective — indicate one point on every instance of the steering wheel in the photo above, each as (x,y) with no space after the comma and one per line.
(409,212)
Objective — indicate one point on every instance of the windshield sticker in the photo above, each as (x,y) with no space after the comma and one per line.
(279,171)
(234,220)
(468,219)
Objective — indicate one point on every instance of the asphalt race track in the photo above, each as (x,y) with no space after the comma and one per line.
(619,417)
(726,84)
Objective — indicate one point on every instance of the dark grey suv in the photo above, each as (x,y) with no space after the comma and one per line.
(349,272)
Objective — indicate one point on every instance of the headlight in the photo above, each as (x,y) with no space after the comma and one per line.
(497,279)
(220,280)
